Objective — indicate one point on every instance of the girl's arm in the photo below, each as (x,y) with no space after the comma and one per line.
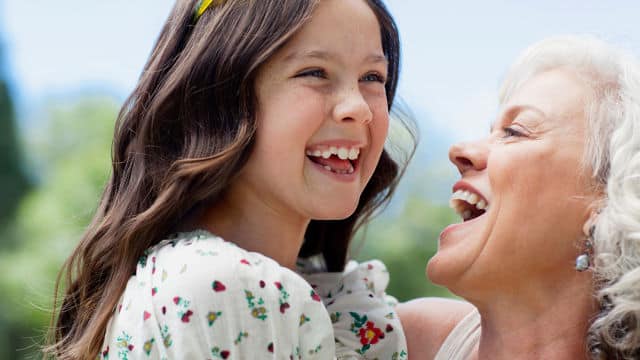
(365,323)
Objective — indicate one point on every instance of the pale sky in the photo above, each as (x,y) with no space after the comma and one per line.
(454,52)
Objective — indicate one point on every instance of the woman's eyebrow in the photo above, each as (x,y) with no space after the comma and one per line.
(513,111)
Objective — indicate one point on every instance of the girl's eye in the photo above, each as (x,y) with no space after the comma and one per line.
(374,77)
(510,131)
(319,73)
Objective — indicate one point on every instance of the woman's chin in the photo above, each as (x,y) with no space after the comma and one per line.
(445,270)
(437,272)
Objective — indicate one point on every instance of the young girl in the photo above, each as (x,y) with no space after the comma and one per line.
(262,122)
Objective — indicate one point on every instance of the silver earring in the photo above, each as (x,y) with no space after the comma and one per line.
(583,261)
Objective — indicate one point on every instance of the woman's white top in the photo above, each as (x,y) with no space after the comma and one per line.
(196,296)
(462,340)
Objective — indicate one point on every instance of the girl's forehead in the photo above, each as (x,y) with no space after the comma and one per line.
(337,28)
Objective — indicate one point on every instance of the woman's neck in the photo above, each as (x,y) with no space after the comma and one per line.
(550,324)
(255,226)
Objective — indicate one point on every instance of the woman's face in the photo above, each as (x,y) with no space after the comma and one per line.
(527,175)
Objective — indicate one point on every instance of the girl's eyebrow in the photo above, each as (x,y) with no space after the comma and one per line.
(326,55)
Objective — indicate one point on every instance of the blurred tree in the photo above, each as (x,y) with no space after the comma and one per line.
(72,153)
(405,242)
(13,180)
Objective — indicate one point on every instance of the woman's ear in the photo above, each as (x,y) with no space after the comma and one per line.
(593,210)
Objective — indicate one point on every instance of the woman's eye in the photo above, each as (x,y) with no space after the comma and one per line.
(510,131)
(374,77)
(319,73)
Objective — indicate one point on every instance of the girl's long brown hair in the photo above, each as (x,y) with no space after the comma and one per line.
(180,138)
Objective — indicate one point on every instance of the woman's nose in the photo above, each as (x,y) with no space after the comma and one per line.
(468,156)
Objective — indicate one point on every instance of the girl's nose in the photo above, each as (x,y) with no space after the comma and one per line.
(468,156)
(352,106)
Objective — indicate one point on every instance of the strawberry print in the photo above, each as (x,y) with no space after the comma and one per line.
(146,315)
(315,296)
(270,347)
(184,313)
(220,354)
(217,286)
(245,262)
(284,296)
(186,316)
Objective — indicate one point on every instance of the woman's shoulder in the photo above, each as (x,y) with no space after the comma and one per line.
(428,321)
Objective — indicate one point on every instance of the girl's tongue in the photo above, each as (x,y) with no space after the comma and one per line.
(334,162)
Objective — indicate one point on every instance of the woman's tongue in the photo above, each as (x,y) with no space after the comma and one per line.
(334,162)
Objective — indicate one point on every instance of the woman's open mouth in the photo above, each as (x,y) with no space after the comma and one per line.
(469,205)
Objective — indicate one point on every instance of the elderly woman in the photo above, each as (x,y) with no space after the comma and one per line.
(548,252)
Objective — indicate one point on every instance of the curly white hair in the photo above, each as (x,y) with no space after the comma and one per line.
(613,155)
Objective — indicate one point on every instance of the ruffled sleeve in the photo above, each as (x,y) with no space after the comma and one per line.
(202,298)
(365,323)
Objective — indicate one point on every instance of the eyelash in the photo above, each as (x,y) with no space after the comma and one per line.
(314,73)
(319,73)
(509,131)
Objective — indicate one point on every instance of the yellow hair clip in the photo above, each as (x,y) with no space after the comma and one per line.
(203,5)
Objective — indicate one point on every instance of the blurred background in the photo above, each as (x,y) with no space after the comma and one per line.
(67,66)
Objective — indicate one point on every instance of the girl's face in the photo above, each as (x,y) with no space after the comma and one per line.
(322,116)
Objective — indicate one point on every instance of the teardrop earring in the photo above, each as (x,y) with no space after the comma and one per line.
(583,261)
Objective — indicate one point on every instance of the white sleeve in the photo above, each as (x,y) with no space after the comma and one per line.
(365,323)
(193,300)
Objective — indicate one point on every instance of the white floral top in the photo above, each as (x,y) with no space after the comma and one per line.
(196,296)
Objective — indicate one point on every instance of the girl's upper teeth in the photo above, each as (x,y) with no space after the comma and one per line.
(341,152)
(469,197)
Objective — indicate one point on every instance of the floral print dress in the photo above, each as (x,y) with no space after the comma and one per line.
(196,296)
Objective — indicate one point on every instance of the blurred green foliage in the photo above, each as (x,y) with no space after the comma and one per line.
(70,152)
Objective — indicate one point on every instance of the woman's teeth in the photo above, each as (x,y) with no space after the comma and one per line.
(474,207)
(343,153)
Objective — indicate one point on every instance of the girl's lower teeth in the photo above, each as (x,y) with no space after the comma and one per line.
(342,172)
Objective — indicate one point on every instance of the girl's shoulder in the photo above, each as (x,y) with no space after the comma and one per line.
(191,256)
(195,295)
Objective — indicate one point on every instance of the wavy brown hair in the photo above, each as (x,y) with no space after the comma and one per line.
(181,136)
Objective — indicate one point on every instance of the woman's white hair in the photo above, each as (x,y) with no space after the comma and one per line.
(613,155)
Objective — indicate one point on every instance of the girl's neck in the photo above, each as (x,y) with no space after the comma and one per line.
(548,325)
(255,226)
